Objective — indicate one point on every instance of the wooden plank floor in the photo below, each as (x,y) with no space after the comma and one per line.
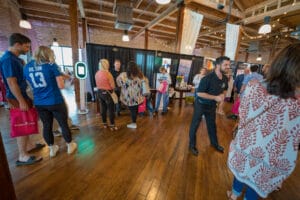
(151,162)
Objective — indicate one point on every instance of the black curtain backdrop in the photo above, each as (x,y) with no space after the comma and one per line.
(146,59)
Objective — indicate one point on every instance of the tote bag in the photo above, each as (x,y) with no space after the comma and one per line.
(23,123)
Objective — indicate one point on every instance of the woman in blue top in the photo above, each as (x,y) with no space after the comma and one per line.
(46,82)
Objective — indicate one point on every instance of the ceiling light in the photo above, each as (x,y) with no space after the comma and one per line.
(258,58)
(266,27)
(55,43)
(125,37)
(163,2)
(23,22)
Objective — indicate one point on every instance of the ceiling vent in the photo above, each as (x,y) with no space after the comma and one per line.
(253,46)
(296,34)
(124,17)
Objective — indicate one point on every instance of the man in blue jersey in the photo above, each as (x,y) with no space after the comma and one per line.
(210,91)
(11,68)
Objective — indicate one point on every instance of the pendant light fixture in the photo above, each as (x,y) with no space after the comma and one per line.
(259,58)
(125,37)
(266,27)
(24,23)
(163,2)
(55,43)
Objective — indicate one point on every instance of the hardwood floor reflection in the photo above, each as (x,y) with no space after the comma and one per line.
(151,162)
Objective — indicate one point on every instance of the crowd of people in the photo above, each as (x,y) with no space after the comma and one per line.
(261,155)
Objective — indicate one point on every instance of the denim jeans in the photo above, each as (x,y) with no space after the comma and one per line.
(237,188)
(118,105)
(165,101)
(209,111)
(149,104)
(60,113)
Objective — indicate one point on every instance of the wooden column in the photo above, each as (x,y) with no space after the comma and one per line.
(84,32)
(179,28)
(6,184)
(74,41)
(146,39)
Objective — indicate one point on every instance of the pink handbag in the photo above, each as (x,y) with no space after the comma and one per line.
(163,87)
(235,106)
(23,123)
(142,107)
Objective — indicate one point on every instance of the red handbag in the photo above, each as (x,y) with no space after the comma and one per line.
(23,123)
(142,107)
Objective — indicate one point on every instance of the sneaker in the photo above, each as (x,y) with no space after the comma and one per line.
(53,150)
(132,125)
(72,146)
(151,114)
(57,133)
(74,127)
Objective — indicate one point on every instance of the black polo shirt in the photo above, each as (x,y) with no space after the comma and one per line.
(212,85)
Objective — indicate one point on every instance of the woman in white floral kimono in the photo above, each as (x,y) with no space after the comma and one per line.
(264,151)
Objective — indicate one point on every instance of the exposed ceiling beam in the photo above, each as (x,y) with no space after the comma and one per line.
(159,18)
(211,4)
(138,3)
(272,13)
(239,5)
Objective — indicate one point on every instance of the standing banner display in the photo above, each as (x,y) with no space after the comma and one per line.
(184,69)
(81,74)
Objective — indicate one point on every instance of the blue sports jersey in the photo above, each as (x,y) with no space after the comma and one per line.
(42,79)
(12,66)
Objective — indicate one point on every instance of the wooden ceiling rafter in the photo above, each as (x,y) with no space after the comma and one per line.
(256,17)
(210,4)
(159,18)
(149,16)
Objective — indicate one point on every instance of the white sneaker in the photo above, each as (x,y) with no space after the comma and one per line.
(72,146)
(132,125)
(53,150)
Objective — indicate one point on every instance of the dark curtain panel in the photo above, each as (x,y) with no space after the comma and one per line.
(149,61)
(145,60)
(95,52)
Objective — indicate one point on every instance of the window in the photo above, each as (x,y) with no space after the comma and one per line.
(64,58)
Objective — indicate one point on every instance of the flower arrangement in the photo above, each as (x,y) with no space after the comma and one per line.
(179,79)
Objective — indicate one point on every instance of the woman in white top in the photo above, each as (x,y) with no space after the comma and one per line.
(198,77)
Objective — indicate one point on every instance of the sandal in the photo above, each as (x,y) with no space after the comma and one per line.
(231,196)
(114,128)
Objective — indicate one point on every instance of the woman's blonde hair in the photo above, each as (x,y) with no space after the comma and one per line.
(44,55)
(103,64)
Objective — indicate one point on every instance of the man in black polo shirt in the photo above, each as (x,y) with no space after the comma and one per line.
(210,91)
